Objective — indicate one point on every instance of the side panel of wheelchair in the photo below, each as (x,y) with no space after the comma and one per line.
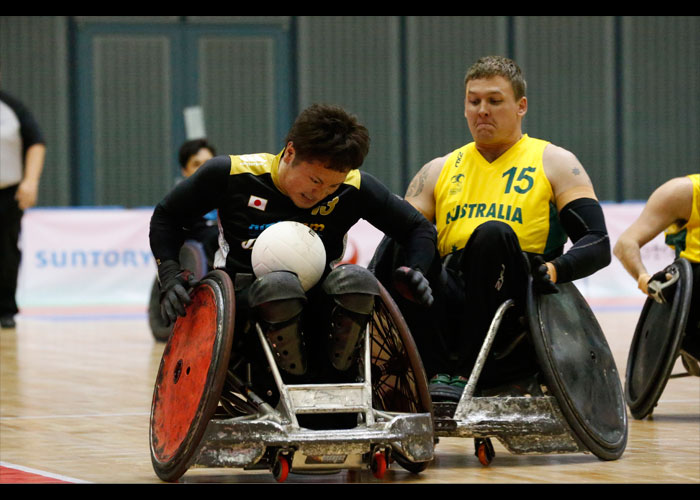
(205,413)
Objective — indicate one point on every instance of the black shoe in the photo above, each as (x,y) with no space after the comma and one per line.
(7,322)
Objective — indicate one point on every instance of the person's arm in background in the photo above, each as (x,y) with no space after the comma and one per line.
(671,202)
(28,189)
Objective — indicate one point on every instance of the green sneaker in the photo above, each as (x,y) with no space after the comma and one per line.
(459,381)
(442,389)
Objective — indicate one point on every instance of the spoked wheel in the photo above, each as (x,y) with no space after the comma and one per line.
(399,383)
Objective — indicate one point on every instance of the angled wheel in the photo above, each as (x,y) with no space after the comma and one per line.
(281,469)
(191,376)
(579,369)
(484,451)
(378,465)
(192,257)
(656,343)
(399,383)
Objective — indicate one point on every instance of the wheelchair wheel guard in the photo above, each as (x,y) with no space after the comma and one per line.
(656,343)
(579,369)
(191,376)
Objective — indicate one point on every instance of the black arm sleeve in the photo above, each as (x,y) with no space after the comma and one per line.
(399,220)
(584,223)
(184,206)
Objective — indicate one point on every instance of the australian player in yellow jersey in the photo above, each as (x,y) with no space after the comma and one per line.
(503,204)
(674,209)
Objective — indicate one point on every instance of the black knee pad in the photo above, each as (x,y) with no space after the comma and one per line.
(352,287)
(277,300)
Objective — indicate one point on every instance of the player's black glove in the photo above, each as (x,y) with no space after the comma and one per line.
(174,286)
(412,285)
(662,286)
(541,280)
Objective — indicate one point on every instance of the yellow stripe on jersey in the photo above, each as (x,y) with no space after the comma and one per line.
(512,189)
(685,238)
(262,163)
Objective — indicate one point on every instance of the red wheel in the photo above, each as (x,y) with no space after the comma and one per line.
(379,465)
(191,376)
(281,469)
(484,451)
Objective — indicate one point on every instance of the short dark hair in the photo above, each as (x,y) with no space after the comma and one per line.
(190,148)
(490,66)
(328,133)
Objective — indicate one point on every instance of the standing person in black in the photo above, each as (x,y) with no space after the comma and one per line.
(22,153)
(314,180)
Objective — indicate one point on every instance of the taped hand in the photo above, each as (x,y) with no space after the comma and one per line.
(541,280)
(413,286)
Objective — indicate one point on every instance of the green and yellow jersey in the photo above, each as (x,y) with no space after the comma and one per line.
(512,189)
(684,236)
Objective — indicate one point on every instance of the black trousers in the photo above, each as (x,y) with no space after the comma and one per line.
(10,255)
(468,286)
(691,341)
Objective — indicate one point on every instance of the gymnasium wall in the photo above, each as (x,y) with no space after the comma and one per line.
(621,92)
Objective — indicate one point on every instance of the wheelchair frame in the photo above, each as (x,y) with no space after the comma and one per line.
(272,437)
(531,424)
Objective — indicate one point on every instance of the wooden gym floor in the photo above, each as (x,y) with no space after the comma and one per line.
(76,397)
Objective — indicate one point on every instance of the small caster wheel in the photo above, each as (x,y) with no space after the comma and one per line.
(484,450)
(378,465)
(281,469)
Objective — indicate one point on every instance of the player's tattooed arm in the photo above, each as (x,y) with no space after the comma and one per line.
(420,192)
(417,185)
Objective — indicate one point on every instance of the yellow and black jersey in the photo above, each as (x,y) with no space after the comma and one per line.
(246,192)
(684,236)
(512,189)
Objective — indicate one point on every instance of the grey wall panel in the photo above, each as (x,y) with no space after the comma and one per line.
(354,62)
(132,119)
(236,89)
(34,68)
(439,50)
(661,99)
(568,64)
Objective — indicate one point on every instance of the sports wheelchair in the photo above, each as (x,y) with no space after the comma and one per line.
(207,410)
(658,340)
(573,404)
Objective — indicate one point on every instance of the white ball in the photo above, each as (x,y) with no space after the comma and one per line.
(290,246)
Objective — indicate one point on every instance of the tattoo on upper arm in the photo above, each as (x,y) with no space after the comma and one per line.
(418,183)
(576,171)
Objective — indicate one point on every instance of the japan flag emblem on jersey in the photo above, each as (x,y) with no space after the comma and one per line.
(259,203)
